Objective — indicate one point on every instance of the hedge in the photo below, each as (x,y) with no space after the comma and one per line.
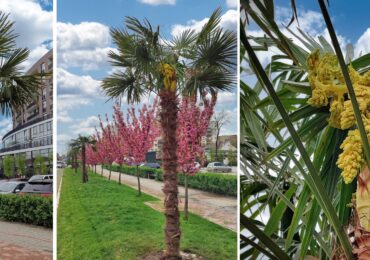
(27,209)
(213,182)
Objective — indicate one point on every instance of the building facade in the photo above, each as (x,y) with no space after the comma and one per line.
(32,133)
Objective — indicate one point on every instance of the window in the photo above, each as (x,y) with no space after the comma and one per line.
(43,67)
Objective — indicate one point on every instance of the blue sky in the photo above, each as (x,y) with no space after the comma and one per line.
(34,25)
(83,42)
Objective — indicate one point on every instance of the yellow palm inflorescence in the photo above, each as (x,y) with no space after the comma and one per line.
(169,77)
(329,88)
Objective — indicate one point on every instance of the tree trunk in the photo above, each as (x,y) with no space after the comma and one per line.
(110,171)
(186,206)
(120,172)
(84,173)
(101,169)
(138,180)
(95,168)
(217,136)
(75,162)
(168,117)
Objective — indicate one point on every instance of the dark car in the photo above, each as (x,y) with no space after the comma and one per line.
(150,174)
(42,188)
(11,187)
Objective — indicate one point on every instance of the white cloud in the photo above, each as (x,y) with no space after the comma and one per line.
(158,2)
(226,97)
(69,83)
(362,45)
(85,35)
(84,45)
(228,21)
(85,59)
(70,102)
(33,24)
(63,116)
(232,3)
(86,126)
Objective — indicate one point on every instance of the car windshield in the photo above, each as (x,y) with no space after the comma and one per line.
(36,188)
(7,186)
(219,164)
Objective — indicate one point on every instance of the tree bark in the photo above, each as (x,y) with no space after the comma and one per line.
(84,173)
(75,162)
(110,171)
(168,117)
(101,169)
(217,136)
(186,206)
(138,180)
(120,172)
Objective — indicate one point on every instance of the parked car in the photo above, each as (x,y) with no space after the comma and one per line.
(218,167)
(150,174)
(61,164)
(38,187)
(36,178)
(11,187)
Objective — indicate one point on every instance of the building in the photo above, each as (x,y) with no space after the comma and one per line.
(32,133)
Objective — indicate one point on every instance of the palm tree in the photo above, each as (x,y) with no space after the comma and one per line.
(294,202)
(80,144)
(192,63)
(16,89)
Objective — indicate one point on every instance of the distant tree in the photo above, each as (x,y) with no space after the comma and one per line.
(39,165)
(8,164)
(20,163)
(192,122)
(220,119)
(80,144)
(107,147)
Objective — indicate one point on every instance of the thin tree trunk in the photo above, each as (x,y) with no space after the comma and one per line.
(138,179)
(217,136)
(110,171)
(120,171)
(168,117)
(84,173)
(75,163)
(95,168)
(101,169)
(186,206)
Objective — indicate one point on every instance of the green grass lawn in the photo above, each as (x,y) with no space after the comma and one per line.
(104,220)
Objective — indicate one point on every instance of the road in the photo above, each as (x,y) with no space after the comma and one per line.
(25,242)
(219,209)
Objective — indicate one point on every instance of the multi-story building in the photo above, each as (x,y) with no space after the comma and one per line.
(32,133)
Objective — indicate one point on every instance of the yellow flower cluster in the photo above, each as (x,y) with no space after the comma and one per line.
(329,88)
(169,77)
(351,159)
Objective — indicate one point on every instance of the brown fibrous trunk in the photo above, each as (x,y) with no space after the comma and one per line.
(168,117)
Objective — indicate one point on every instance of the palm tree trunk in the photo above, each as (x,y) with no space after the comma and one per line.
(138,180)
(186,206)
(168,117)
(110,171)
(120,172)
(84,173)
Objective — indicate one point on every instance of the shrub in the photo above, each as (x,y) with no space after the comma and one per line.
(27,209)
(213,182)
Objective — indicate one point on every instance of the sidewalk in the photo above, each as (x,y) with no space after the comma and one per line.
(219,209)
(25,242)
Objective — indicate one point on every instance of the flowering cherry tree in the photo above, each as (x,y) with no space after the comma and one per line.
(107,143)
(192,124)
(138,132)
(92,156)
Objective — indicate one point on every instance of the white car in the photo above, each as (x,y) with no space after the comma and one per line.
(218,167)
